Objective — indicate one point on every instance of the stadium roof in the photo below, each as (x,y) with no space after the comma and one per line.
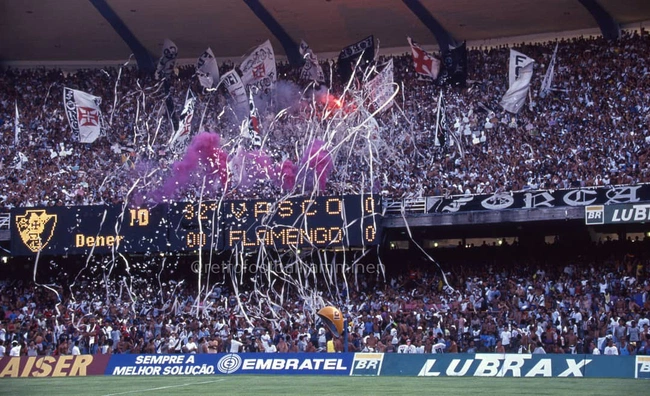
(94,30)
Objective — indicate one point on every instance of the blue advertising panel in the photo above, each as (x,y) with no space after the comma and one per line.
(231,363)
(508,365)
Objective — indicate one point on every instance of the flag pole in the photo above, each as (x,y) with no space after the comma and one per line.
(435,137)
(438,117)
(16,124)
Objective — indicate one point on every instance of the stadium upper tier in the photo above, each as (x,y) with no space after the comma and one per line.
(590,130)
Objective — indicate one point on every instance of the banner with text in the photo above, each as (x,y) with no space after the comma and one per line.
(353,364)
(617,214)
(53,366)
(231,363)
(508,365)
(539,199)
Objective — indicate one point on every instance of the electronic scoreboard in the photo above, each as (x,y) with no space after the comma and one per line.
(322,222)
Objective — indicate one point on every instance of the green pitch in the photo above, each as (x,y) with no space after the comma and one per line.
(316,386)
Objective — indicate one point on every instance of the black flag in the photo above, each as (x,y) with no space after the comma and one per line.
(350,54)
(455,66)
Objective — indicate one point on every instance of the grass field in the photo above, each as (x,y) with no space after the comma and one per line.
(314,386)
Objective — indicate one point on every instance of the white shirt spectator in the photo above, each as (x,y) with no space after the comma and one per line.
(577,316)
(407,348)
(438,348)
(235,345)
(603,287)
(611,350)
(173,343)
(15,350)
(270,347)
(644,321)
(539,351)
(191,346)
(505,337)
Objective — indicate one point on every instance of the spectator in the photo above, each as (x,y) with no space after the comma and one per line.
(539,349)
(560,141)
(15,349)
(611,348)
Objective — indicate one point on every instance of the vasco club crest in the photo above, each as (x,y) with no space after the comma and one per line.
(36,228)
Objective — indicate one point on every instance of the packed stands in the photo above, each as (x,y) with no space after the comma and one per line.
(592,130)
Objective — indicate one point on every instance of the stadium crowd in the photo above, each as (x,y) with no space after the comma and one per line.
(591,130)
(555,299)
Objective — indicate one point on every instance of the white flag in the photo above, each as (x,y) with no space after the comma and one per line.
(521,71)
(258,69)
(425,64)
(253,123)
(517,61)
(166,63)
(185,121)
(381,88)
(207,69)
(83,114)
(235,86)
(548,77)
(312,70)
(16,125)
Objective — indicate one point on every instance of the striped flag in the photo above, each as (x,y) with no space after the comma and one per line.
(442,129)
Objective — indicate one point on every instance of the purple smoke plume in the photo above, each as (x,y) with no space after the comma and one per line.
(249,167)
(287,175)
(204,156)
(315,166)
(242,169)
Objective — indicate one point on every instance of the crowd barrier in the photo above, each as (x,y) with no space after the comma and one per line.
(347,364)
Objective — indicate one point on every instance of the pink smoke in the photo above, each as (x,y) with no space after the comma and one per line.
(204,156)
(287,175)
(315,166)
(249,167)
(242,169)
